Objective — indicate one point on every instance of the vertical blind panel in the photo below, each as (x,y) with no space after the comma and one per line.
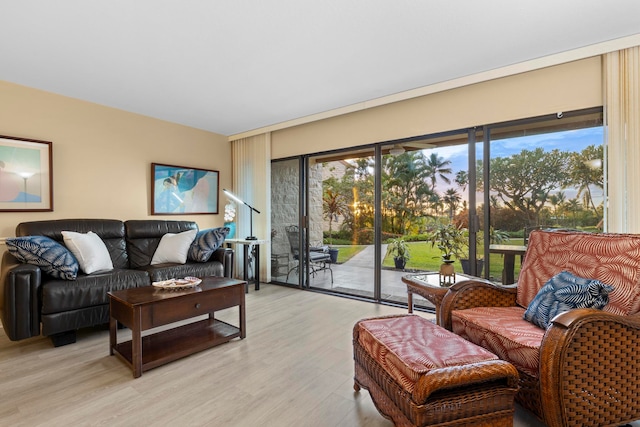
(622,115)
(251,159)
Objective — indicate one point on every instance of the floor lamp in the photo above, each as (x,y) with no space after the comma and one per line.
(251,210)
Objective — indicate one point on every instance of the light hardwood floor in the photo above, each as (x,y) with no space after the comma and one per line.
(295,368)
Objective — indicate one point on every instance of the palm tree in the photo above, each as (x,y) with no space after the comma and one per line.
(557,200)
(574,206)
(406,194)
(462,180)
(333,204)
(452,199)
(438,167)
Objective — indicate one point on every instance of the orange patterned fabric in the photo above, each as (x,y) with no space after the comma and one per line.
(504,332)
(613,259)
(409,346)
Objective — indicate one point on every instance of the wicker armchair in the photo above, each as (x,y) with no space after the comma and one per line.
(588,362)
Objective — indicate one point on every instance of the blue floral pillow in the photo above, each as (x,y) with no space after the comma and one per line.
(206,243)
(52,257)
(564,292)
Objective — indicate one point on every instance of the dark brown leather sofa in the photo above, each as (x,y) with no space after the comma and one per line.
(36,303)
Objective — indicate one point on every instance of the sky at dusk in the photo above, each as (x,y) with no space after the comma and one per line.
(572,140)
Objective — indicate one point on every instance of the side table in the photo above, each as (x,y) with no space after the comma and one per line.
(429,286)
(251,248)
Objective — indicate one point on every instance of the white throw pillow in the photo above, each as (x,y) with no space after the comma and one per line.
(174,247)
(89,250)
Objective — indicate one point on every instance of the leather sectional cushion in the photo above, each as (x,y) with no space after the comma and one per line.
(167,271)
(143,237)
(88,290)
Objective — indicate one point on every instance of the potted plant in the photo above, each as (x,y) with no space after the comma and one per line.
(449,239)
(399,249)
(229,217)
(333,205)
(496,237)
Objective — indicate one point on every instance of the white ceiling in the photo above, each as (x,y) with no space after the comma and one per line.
(236,65)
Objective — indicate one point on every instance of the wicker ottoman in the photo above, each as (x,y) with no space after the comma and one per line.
(419,374)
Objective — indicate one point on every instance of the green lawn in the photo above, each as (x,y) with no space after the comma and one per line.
(345,252)
(424,257)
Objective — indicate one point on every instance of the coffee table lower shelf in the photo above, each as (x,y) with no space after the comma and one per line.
(166,346)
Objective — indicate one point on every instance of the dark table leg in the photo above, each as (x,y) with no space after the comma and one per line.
(256,266)
(243,319)
(410,301)
(508,271)
(245,269)
(113,337)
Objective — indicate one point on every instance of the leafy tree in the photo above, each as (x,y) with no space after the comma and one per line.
(586,172)
(525,180)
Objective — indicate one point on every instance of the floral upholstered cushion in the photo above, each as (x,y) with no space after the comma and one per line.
(52,257)
(613,259)
(409,346)
(504,332)
(564,292)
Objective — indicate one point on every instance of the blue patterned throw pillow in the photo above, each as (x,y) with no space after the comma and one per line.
(564,292)
(52,257)
(206,243)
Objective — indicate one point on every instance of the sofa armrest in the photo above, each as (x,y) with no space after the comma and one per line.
(475,293)
(589,365)
(20,304)
(226,257)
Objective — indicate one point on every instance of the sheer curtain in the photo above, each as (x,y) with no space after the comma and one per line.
(251,176)
(622,124)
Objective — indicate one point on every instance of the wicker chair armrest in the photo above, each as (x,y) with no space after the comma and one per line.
(589,368)
(462,376)
(475,293)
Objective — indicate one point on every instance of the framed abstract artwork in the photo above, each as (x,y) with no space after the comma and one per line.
(180,190)
(26,175)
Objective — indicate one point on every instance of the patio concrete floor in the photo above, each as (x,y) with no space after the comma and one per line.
(356,276)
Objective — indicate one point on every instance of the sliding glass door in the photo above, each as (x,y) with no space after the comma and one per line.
(544,173)
(341,222)
(286,178)
(355,221)
(425,185)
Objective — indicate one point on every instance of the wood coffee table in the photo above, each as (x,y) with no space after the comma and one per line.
(148,307)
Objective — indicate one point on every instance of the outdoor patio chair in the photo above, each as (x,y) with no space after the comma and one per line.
(319,257)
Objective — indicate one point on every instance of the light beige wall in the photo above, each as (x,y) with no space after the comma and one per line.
(102,156)
(565,87)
